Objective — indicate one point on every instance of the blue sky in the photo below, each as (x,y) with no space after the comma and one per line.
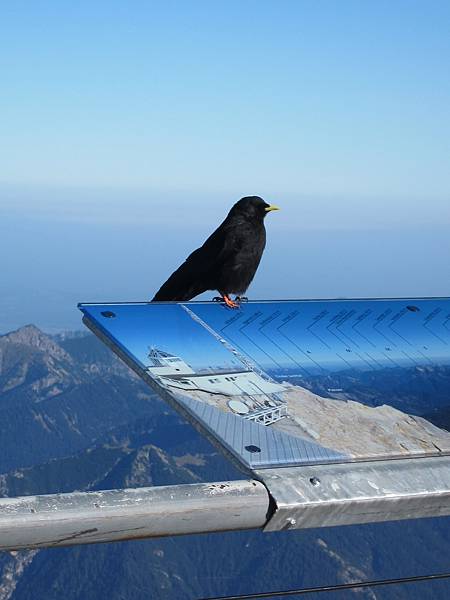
(129,129)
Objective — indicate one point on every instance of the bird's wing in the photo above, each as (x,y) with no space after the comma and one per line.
(194,276)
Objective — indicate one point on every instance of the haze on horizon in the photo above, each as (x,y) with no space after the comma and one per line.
(128,131)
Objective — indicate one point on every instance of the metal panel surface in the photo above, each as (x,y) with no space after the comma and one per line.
(296,382)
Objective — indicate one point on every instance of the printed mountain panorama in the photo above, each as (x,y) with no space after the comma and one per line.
(73,417)
(303,381)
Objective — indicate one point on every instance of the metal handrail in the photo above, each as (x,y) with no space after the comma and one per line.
(106,516)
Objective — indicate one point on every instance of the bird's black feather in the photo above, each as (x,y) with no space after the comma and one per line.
(228,259)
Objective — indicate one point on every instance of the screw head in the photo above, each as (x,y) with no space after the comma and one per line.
(315,481)
(252,448)
(413,308)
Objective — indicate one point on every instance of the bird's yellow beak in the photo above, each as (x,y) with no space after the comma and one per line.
(272,207)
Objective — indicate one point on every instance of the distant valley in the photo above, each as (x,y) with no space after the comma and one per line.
(73,417)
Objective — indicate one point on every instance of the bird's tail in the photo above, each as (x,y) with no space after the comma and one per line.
(180,287)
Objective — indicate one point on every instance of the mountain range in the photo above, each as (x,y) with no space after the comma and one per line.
(73,417)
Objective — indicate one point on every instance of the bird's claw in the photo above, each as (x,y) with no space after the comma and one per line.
(230,303)
(227,300)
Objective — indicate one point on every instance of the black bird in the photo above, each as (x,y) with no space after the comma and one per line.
(227,261)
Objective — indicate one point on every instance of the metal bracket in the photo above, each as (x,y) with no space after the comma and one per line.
(355,493)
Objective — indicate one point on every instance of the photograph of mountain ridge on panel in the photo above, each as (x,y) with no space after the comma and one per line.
(313,371)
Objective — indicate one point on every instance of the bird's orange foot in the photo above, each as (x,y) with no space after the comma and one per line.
(229,302)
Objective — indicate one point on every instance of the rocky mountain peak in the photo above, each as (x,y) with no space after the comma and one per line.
(33,337)
(30,357)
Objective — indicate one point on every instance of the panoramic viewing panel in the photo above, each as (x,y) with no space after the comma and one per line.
(296,382)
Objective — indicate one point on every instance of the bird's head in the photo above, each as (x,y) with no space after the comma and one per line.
(253,208)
